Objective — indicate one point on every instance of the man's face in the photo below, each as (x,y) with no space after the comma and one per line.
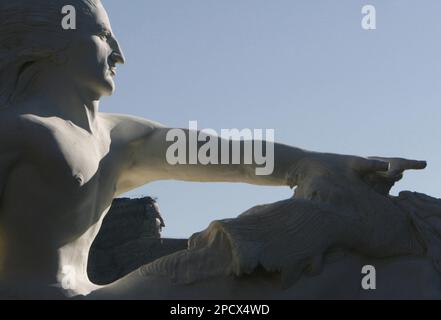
(93,55)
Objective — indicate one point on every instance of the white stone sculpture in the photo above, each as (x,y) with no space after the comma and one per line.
(62,161)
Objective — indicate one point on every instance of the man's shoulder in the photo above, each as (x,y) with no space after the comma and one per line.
(18,123)
(129,127)
(11,135)
(125,119)
(18,128)
(11,122)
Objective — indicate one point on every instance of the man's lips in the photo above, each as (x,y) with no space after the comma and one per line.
(112,70)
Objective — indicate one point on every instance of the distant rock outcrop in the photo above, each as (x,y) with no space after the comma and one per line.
(130,237)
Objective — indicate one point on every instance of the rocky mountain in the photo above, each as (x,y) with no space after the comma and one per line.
(130,237)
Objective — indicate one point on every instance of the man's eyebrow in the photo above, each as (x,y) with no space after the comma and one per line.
(102,28)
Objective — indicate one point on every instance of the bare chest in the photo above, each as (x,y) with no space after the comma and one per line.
(67,157)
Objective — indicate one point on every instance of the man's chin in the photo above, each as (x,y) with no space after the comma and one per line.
(108,93)
(108,88)
(94,91)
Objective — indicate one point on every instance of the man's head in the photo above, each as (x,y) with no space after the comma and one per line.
(33,42)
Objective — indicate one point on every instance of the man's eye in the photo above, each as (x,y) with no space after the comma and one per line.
(104,35)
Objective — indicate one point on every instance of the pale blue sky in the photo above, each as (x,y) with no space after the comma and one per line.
(303,67)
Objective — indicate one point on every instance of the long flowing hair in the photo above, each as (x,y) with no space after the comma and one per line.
(31,33)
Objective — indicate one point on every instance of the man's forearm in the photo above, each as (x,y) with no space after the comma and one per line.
(218,159)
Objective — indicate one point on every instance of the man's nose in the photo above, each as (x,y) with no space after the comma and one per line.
(117,53)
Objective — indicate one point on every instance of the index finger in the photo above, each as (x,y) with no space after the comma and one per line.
(415,164)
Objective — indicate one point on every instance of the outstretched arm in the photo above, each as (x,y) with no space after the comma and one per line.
(151,156)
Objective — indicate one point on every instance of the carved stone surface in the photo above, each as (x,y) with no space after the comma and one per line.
(258,254)
(69,161)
